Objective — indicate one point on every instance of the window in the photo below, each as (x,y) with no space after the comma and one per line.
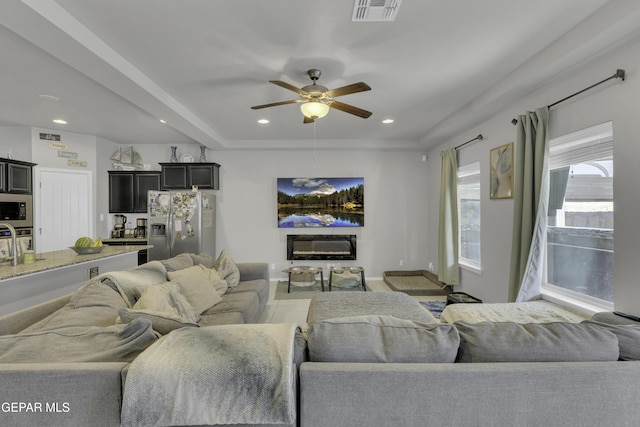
(580,215)
(469,215)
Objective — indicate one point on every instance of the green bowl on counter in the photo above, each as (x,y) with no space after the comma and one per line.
(89,250)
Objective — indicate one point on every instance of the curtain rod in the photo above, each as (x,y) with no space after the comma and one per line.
(480,137)
(620,74)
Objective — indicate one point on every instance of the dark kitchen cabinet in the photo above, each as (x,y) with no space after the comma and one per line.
(16,176)
(183,176)
(128,190)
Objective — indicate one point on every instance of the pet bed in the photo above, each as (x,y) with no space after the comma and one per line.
(417,282)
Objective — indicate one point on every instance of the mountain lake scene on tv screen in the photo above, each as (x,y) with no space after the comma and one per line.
(320,202)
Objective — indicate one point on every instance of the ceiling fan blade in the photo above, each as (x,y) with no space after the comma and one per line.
(289,86)
(346,90)
(307,120)
(274,104)
(350,109)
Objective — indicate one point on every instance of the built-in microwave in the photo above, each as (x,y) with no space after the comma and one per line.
(16,209)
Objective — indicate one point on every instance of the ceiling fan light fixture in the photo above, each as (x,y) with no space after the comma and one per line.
(314,109)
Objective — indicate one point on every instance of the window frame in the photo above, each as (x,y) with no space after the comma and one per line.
(599,134)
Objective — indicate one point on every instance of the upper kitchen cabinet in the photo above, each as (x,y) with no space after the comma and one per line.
(16,176)
(183,176)
(128,190)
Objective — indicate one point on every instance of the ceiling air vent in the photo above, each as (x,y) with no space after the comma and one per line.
(375,10)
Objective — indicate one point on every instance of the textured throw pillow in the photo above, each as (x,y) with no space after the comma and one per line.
(198,286)
(218,282)
(628,338)
(226,267)
(535,342)
(166,298)
(203,258)
(377,339)
(178,262)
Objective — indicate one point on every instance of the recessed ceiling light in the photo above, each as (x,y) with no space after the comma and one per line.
(60,121)
(263,121)
(162,121)
(387,121)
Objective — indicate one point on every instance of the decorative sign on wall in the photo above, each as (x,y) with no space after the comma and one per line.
(67,154)
(49,137)
(77,163)
(58,146)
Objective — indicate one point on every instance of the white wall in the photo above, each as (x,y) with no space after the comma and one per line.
(616,101)
(395,203)
(17,141)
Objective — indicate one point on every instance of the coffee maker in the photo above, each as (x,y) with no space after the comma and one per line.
(118,226)
(141,227)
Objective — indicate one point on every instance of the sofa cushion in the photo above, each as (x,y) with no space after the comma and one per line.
(178,262)
(226,267)
(375,339)
(163,323)
(245,303)
(628,338)
(199,285)
(226,318)
(259,286)
(96,293)
(94,304)
(535,342)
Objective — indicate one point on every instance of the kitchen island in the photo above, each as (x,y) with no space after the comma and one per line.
(58,273)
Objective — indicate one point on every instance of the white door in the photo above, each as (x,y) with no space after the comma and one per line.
(63,208)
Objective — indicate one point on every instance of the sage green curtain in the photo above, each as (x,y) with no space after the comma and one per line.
(448,270)
(529,183)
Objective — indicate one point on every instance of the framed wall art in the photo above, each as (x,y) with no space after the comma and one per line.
(501,162)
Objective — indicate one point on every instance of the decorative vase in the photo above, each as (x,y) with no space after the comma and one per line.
(174,156)
(203,154)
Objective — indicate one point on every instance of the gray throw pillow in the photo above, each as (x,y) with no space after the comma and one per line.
(178,262)
(379,339)
(227,269)
(628,338)
(202,258)
(198,285)
(535,342)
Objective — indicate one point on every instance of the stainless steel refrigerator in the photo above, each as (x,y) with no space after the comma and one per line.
(180,222)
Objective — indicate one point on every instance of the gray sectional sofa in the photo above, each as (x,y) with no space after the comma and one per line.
(366,359)
(372,370)
(51,368)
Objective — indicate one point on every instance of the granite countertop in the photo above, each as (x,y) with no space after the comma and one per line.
(63,258)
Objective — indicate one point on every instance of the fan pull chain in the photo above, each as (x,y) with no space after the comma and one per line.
(314,141)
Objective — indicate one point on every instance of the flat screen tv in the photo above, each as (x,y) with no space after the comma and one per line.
(320,202)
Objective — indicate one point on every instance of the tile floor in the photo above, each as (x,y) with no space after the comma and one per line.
(295,311)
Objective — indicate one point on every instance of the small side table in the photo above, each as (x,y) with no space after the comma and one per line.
(304,272)
(353,270)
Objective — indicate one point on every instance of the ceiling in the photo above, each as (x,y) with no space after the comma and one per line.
(117,67)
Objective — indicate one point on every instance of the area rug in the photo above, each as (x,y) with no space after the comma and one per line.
(435,307)
(306,292)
